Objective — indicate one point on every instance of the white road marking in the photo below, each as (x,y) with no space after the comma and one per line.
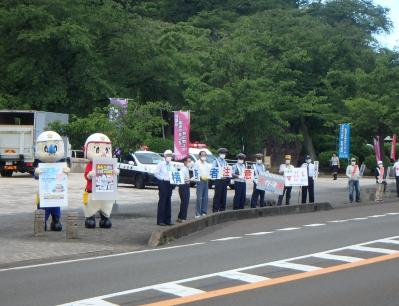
(245,277)
(288,229)
(337,257)
(227,238)
(258,233)
(374,250)
(338,221)
(393,214)
(315,225)
(391,241)
(376,216)
(91,302)
(177,289)
(358,219)
(294,266)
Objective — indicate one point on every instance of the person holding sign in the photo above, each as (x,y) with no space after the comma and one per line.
(220,197)
(259,169)
(201,176)
(353,174)
(165,188)
(396,169)
(184,191)
(310,170)
(287,189)
(240,186)
(380,180)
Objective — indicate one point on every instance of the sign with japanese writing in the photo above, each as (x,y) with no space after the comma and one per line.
(227,171)
(316,169)
(271,183)
(181,134)
(118,107)
(53,185)
(105,181)
(249,174)
(176,177)
(344,140)
(214,173)
(295,176)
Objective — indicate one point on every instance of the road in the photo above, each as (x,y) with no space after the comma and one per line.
(345,256)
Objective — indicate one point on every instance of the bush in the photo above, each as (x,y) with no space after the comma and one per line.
(159,145)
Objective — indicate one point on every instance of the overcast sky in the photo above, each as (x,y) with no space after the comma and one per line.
(391,40)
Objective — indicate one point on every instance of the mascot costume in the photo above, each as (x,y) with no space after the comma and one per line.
(50,149)
(97,145)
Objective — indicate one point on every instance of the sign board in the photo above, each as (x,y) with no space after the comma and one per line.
(214,173)
(271,183)
(227,171)
(316,169)
(249,174)
(105,182)
(53,185)
(181,135)
(176,177)
(344,141)
(295,177)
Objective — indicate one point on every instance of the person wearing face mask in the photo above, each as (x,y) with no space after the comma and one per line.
(353,174)
(239,183)
(165,188)
(184,191)
(380,180)
(201,175)
(259,168)
(287,189)
(220,196)
(396,169)
(311,173)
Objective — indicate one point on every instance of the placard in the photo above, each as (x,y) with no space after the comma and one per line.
(53,185)
(214,173)
(271,183)
(104,181)
(316,169)
(176,177)
(227,171)
(249,174)
(295,177)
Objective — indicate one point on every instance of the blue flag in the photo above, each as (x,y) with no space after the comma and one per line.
(344,140)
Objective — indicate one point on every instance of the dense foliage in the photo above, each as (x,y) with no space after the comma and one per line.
(275,74)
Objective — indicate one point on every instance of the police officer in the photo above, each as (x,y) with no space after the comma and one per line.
(311,173)
(259,168)
(287,189)
(184,190)
(239,182)
(219,199)
(162,173)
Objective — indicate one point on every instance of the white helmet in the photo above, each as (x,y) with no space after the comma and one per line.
(168,152)
(97,137)
(49,136)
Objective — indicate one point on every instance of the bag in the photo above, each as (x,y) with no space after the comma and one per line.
(85,198)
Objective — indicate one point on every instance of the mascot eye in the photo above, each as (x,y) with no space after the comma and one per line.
(98,150)
(55,148)
(45,149)
(106,150)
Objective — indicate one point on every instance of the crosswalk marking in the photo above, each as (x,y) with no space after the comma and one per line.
(177,289)
(245,277)
(370,249)
(337,257)
(294,266)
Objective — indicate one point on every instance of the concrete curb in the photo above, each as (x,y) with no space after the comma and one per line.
(166,234)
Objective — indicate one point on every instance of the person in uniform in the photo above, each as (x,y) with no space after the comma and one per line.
(165,188)
(220,197)
(184,191)
(334,165)
(240,186)
(311,174)
(201,176)
(396,170)
(287,189)
(353,174)
(259,168)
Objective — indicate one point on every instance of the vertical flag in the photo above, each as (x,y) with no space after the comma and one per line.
(118,107)
(181,134)
(377,149)
(393,148)
(344,141)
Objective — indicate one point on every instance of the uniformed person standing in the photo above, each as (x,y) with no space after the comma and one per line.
(220,197)
(240,186)
(259,168)
(287,189)
(162,173)
(184,190)
(311,174)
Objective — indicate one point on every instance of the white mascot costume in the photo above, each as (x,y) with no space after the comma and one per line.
(97,145)
(50,149)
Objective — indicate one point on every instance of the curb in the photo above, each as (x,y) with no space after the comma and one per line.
(162,236)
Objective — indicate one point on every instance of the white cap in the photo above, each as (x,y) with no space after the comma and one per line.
(380,162)
(168,152)
(49,136)
(97,137)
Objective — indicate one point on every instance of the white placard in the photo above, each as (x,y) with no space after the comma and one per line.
(176,177)
(53,185)
(295,176)
(104,182)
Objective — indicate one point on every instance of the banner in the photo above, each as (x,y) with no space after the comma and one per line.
(271,183)
(344,141)
(105,182)
(296,177)
(377,149)
(181,134)
(53,185)
(393,147)
(118,108)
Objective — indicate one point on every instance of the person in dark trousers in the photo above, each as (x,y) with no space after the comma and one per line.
(184,191)
(396,169)
(259,168)
(165,188)
(311,174)
(287,189)
(220,196)
(334,161)
(239,183)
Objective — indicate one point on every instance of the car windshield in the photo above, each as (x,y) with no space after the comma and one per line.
(148,158)
(209,158)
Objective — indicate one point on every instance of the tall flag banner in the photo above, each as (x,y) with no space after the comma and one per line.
(377,149)
(181,134)
(344,140)
(118,107)
(393,147)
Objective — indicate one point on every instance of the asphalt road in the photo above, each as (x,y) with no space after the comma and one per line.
(260,249)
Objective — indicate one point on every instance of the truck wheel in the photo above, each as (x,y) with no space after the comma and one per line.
(139,182)
(5,173)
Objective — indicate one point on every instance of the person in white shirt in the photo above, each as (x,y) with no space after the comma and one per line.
(287,189)
(334,165)
(259,168)
(380,180)
(311,173)
(396,169)
(184,191)
(201,176)
(353,174)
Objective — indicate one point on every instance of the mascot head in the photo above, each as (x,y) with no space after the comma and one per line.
(97,145)
(49,147)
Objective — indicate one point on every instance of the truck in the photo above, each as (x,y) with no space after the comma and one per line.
(18,132)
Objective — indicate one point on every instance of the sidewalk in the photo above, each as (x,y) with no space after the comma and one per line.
(133,220)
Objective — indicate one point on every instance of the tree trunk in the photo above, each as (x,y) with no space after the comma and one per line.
(307,140)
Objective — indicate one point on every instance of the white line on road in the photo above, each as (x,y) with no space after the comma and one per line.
(373,250)
(259,233)
(358,219)
(245,277)
(337,257)
(315,225)
(288,229)
(226,239)
(338,221)
(376,216)
(393,214)
(390,241)
(177,289)
(294,266)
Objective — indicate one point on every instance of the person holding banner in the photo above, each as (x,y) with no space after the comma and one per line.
(353,174)
(287,189)
(396,169)
(310,169)
(201,176)
(240,186)
(334,165)
(380,180)
(184,191)
(220,197)
(259,168)
(165,188)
